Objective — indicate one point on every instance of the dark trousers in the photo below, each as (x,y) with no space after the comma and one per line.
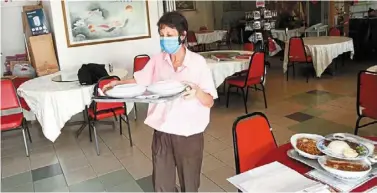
(171,152)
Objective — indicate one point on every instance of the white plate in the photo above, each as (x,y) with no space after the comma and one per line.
(166,88)
(295,137)
(126,91)
(345,175)
(321,145)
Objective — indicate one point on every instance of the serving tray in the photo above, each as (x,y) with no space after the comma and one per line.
(108,99)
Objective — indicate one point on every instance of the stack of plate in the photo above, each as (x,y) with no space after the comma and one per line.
(166,88)
(126,91)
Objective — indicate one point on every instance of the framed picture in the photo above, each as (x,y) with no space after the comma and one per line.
(98,22)
(185,5)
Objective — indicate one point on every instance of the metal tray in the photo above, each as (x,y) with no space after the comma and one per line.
(107,99)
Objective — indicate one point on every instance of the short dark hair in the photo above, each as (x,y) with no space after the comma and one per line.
(174,20)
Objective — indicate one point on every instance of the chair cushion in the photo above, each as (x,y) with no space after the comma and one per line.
(106,113)
(239,81)
(9,122)
(293,59)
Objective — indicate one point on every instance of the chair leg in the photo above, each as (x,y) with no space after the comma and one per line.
(25,142)
(244,100)
(357,125)
(264,95)
(129,128)
(28,130)
(294,70)
(120,125)
(287,71)
(247,91)
(95,137)
(135,111)
(227,97)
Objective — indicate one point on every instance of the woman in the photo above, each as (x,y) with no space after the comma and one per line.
(179,125)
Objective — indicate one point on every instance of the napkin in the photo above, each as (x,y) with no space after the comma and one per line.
(273,177)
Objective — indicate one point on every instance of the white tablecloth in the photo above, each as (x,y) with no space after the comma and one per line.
(209,37)
(280,33)
(54,103)
(323,50)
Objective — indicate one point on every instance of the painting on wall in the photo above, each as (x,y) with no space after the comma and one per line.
(185,5)
(98,22)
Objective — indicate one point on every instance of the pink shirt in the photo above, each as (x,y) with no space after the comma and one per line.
(179,117)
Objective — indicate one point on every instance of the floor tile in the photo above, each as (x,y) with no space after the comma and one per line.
(115,178)
(206,185)
(320,126)
(79,175)
(16,180)
(15,168)
(42,161)
(46,172)
(219,177)
(69,165)
(146,184)
(104,164)
(130,186)
(211,163)
(28,187)
(315,112)
(92,185)
(317,92)
(299,117)
(50,184)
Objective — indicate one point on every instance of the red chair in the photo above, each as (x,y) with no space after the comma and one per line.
(366,98)
(248,47)
(139,62)
(254,76)
(334,32)
(17,83)
(9,102)
(252,140)
(100,110)
(203,28)
(297,54)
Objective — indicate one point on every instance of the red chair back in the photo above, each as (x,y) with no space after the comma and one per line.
(256,68)
(334,32)
(140,61)
(203,28)
(191,38)
(296,51)
(248,47)
(9,98)
(252,139)
(366,94)
(98,106)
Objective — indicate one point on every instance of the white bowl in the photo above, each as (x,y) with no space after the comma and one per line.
(126,91)
(345,175)
(166,88)
(294,139)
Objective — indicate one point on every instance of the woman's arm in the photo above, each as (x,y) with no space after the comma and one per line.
(204,98)
(128,81)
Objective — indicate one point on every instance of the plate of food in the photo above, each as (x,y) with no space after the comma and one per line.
(306,145)
(345,169)
(346,149)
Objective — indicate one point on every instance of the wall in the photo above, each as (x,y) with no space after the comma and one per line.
(120,54)
(360,9)
(203,16)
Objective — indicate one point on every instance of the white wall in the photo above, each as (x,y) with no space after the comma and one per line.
(121,54)
(202,16)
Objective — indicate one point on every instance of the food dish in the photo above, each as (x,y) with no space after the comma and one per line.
(343,149)
(305,145)
(345,170)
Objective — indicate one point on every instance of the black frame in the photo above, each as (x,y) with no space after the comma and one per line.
(245,96)
(360,116)
(23,125)
(293,63)
(94,108)
(234,132)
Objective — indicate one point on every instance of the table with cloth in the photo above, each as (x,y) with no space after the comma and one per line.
(280,155)
(323,50)
(282,36)
(54,103)
(209,37)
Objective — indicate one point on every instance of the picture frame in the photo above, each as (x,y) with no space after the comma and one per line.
(185,5)
(99,22)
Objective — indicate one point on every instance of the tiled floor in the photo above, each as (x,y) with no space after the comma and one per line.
(321,106)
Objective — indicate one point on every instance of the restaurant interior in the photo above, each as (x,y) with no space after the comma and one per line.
(297,86)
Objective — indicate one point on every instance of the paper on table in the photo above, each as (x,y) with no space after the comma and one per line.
(273,177)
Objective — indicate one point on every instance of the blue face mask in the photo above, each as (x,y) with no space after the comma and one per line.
(170,45)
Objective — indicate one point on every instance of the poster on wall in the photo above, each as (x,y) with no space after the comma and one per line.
(37,22)
(98,22)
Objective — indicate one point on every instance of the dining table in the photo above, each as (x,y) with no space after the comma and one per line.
(323,50)
(280,155)
(54,99)
(208,37)
(284,35)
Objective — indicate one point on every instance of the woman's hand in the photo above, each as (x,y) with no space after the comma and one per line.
(110,85)
(195,91)
(190,91)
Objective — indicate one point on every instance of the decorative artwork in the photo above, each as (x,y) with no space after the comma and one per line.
(97,22)
(185,5)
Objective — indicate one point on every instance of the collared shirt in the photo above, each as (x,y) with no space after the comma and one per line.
(184,117)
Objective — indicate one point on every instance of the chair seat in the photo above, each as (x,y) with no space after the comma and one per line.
(239,81)
(106,113)
(293,59)
(24,104)
(369,112)
(9,122)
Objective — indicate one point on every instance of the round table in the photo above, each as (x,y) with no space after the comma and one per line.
(223,69)
(323,50)
(54,103)
(281,35)
(280,155)
(208,37)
